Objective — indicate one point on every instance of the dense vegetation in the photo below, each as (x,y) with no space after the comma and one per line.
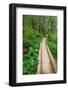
(34,30)
(52,36)
(52,43)
(31,47)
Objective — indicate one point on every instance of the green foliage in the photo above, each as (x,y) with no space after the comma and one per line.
(29,36)
(42,24)
(52,43)
(53,48)
(30,60)
(31,39)
(52,36)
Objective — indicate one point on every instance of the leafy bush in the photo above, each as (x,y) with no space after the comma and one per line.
(29,36)
(52,43)
(30,59)
(52,37)
(53,48)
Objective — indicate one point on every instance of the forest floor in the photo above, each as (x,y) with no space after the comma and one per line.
(45,65)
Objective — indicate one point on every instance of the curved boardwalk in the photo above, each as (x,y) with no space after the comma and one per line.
(45,65)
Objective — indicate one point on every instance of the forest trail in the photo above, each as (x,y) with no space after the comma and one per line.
(45,65)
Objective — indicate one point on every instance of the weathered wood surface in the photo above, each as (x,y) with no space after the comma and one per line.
(47,64)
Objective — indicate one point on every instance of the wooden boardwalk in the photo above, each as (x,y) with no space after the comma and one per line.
(47,64)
